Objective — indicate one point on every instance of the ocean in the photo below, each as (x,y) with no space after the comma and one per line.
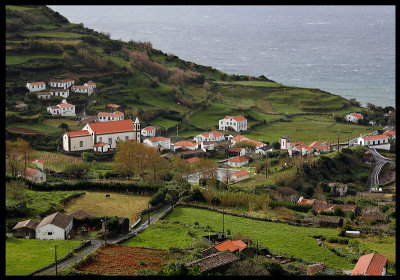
(345,50)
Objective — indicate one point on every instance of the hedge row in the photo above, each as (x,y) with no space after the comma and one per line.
(290,205)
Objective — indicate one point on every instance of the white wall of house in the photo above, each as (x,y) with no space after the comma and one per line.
(68,111)
(237,126)
(150,133)
(57,233)
(53,111)
(109,118)
(38,177)
(161,145)
(43,96)
(55,92)
(113,138)
(285,143)
(237,164)
(88,90)
(372,142)
(79,143)
(102,149)
(240,178)
(191,148)
(351,118)
(33,88)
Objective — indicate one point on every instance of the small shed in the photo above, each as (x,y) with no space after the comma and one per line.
(25,229)
(54,227)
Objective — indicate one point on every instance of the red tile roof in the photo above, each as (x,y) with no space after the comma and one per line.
(38,83)
(235,150)
(154,139)
(304,146)
(78,133)
(238,159)
(63,105)
(149,128)
(80,86)
(239,138)
(91,84)
(105,114)
(29,172)
(111,127)
(240,173)
(370,264)
(185,143)
(231,245)
(38,160)
(100,144)
(215,134)
(118,113)
(357,115)
(258,144)
(113,105)
(390,132)
(373,137)
(296,143)
(193,159)
(237,118)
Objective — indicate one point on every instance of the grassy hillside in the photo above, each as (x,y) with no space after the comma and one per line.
(160,88)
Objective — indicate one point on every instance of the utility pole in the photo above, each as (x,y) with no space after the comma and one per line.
(378,204)
(55,253)
(223,225)
(266,166)
(338,139)
(148,214)
(105,230)
(257,250)
(177,134)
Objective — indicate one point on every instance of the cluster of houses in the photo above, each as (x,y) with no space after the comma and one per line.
(60,88)
(299,146)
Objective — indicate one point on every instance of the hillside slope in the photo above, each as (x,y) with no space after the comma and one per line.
(160,88)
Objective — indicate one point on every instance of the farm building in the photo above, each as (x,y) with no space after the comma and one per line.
(54,227)
(59,92)
(390,133)
(160,143)
(82,89)
(63,109)
(354,117)
(35,175)
(237,151)
(324,221)
(375,141)
(64,84)
(25,229)
(214,261)
(240,175)
(184,145)
(370,265)
(107,117)
(149,131)
(237,161)
(106,132)
(39,163)
(238,123)
(263,150)
(43,95)
(209,136)
(113,107)
(32,87)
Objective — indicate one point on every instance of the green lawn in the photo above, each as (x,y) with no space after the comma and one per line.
(24,256)
(41,127)
(55,123)
(12,7)
(56,34)
(279,238)
(18,59)
(164,235)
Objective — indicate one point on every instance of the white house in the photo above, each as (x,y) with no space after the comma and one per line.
(82,89)
(391,133)
(43,95)
(186,145)
(35,175)
(376,141)
(101,147)
(320,147)
(303,149)
(263,150)
(63,109)
(354,117)
(107,117)
(238,123)
(237,161)
(61,83)
(32,87)
(160,143)
(80,140)
(237,151)
(54,227)
(59,92)
(149,131)
(90,85)
(209,136)
(240,175)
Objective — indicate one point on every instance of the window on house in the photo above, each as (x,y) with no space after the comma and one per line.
(80,143)
(49,233)
(100,139)
(26,233)
(41,178)
(126,138)
(110,141)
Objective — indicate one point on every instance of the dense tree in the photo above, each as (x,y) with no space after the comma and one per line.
(207,169)
(181,169)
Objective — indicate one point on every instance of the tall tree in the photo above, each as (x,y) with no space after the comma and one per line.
(181,169)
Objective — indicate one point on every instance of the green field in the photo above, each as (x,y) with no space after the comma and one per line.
(251,83)
(24,256)
(279,238)
(56,34)
(164,235)
(18,59)
(12,7)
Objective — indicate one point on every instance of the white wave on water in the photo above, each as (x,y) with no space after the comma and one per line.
(322,22)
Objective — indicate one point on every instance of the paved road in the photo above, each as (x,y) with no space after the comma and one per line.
(95,244)
(379,163)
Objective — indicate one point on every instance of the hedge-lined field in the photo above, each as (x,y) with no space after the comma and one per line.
(279,238)
(24,256)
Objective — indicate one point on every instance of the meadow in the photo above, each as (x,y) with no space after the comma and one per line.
(56,161)
(18,59)
(279,238)
(24,256)
(97,204)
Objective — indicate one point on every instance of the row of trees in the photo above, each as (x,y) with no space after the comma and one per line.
(15,152)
